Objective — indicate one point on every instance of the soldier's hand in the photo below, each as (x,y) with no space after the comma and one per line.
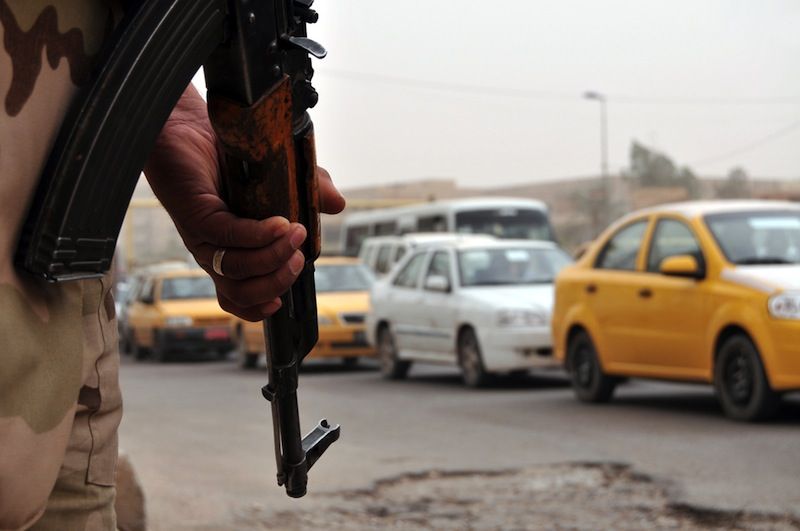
(261,259)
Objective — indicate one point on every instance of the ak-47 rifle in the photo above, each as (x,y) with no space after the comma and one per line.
(258,74)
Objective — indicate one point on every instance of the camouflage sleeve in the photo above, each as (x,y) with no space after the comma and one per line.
(47,47)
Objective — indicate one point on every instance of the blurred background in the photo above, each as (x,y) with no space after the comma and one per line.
(596,108)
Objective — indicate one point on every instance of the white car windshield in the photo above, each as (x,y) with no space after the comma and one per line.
(349,277)
(509,266)
(758,237)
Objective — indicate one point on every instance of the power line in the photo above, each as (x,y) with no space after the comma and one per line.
(482,90)
(750,146)
(445,86)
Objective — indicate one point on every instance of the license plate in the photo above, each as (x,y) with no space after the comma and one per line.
(216,333)
(360,338)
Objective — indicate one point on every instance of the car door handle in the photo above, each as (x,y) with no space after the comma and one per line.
(645,293)
(591,288)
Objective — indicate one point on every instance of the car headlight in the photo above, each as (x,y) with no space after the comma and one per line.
(785,305)
(520,318)
(179,320)
(324,320)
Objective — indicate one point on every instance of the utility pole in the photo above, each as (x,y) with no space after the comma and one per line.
(604,176)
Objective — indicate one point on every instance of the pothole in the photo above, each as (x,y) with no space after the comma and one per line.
(575,496)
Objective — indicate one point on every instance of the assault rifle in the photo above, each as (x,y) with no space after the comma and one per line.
(258,74)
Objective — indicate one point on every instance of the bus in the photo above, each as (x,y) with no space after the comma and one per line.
(525,219)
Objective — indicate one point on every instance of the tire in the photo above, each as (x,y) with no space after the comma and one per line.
(247,360)
(391,367)
(350,363)
(589,382)
(124,342)
(159,351)
(741,383)
(138,352)
(470,359)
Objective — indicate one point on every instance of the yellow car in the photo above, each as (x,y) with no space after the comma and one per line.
(177,310)
(699,291)
(342,305)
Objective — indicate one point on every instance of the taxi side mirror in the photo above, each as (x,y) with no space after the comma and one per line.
(683,265)
(147,299)
(437,283)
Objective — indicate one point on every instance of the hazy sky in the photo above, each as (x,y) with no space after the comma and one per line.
(490,92)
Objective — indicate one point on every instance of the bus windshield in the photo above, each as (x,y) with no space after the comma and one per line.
(506,223)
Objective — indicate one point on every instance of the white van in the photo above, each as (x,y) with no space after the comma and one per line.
(506,218)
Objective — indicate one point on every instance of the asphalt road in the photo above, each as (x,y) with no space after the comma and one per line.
(199,436)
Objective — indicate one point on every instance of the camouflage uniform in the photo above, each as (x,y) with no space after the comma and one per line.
(60,403)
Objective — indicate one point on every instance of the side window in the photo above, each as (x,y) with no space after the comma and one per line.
(435,223)
(672,238)
(621,250)
(385,228)
(383,264)
(440,266)
(409,275)
(399,253)
(367,256)
(146,292)
(353,239)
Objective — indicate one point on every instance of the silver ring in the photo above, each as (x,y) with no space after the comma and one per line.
(216,262)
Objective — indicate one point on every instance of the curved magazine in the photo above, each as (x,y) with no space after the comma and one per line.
(88,181)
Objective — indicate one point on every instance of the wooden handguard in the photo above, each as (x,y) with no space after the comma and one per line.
(268,167)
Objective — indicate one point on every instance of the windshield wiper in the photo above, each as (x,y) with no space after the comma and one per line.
(755,260)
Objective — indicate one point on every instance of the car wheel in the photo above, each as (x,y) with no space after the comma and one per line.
(470,359)
(138,352)
(124,342)
(589,381)
(391,367)
(159,350)
(350,363)
(247,360)
(741,382)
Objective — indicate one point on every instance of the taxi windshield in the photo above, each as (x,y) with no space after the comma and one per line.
(510,266)
(758,237)
(349,277)
(188,288)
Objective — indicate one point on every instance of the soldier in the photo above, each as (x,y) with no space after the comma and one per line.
(60,403)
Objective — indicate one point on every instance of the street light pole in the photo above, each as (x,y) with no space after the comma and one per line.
(604,176)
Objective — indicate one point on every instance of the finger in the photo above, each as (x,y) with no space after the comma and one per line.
(238,264)
(330,200)
(246,232)
(261,290)
(252,313)
(223,229)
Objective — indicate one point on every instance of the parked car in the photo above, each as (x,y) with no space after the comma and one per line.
(342,304)
(700,291)
(381,253)
(480,303)
(128,291)
(177,310)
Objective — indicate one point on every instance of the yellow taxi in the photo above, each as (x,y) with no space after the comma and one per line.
(697,291)
(177,310)
(342,305)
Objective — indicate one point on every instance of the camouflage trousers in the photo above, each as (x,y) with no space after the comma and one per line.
(59,386)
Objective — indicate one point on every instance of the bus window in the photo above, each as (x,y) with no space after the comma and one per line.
(386,228)
(432,224)
(507,223)
(353,238)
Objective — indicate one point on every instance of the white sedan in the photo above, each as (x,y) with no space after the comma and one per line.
(482,304)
